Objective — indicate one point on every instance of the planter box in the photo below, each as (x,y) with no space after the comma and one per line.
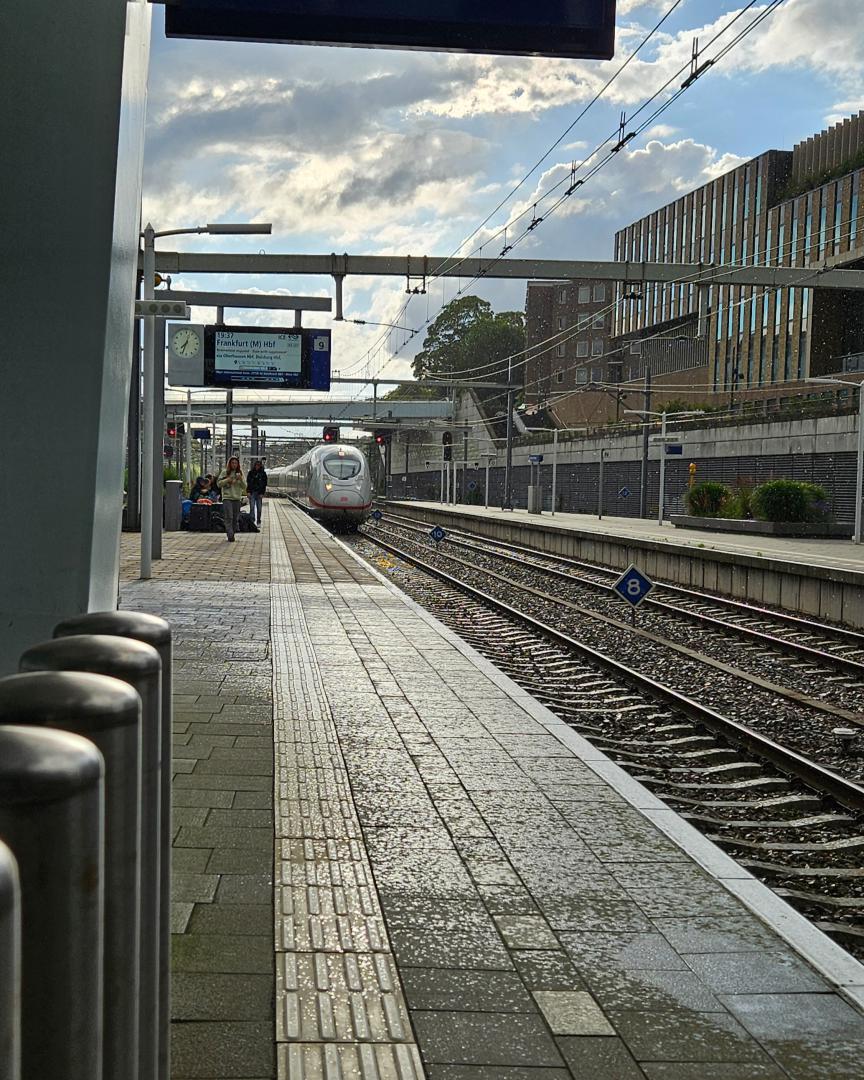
(820,529)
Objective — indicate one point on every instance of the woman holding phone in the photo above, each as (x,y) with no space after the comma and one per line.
(232,484)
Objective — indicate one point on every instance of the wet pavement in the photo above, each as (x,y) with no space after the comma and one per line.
(460,887)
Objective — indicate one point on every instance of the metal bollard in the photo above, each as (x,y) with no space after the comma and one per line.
(51,814)
(108,712)
(10,967)
(137,664)
(156,632)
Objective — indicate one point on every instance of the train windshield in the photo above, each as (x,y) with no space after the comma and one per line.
(342,468)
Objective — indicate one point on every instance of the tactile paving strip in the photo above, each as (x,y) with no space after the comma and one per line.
(340,1012)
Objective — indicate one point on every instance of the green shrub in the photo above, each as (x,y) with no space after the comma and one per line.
(738,505)
(790,500)
(707,499)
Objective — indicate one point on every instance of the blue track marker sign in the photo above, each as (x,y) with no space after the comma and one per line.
(633,586)
(437,534)
(376,515)
(624,493)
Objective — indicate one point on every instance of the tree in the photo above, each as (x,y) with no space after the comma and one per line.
(467,339)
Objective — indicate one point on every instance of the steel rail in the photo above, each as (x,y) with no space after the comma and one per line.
(789,761)
(842,663)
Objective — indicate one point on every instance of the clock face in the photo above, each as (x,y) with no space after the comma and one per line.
(185,342)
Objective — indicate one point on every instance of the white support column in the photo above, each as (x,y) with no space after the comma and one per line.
(662,499)
(148,419)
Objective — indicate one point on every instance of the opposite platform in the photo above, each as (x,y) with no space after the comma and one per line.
(461,887)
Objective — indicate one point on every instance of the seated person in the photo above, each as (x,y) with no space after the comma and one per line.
(201,489)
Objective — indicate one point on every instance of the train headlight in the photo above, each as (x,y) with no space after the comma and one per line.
(328,487)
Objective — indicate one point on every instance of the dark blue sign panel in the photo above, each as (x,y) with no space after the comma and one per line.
(624,493)
(633,586)
(535,459)
(566,28)
(267,358)
(437,534)
(674,448)
(202,434)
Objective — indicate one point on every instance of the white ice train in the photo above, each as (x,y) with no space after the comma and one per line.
(331,482)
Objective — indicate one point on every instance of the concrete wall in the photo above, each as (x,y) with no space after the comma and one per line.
(817,450)
(72,106)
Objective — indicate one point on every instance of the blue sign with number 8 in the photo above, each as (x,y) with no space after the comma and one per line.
(633,586)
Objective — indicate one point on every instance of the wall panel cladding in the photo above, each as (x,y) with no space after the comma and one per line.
(577,488)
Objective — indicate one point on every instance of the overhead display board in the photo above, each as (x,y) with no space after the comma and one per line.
(249,357)
(577,29)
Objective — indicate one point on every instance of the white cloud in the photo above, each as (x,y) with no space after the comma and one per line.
(661,131)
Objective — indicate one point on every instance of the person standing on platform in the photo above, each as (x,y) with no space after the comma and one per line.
(233,487)
(256,485)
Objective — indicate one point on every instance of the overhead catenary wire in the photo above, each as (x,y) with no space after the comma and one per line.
(758,19)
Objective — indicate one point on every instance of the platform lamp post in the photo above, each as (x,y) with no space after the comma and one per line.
(859,470)
(153,371)
(661,502)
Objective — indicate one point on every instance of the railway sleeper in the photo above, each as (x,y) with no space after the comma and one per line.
(844,873)
(851,843)
(813,822)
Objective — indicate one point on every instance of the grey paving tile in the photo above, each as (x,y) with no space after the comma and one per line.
(593,913)
(209,996)
(192,860)
(685,1036)
(652,990)
(462,990)
(526,932)
(227,954)
(507,899)
(712,934)
(754,973)
(547,970)
(223,782)
(193,888)
(599,1058)
(244,889)
(705,1070)
(237,861)
(240,819)
(467,1038)
(449,914)
(222,837)
(228,918)
(223,1050)
(199,797)
(787,1017)
(252,800)
(480,949)
(179,917)
(599,952)
(493,1072)
(572,1012)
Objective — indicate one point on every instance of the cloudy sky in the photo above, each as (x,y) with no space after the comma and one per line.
(380,152)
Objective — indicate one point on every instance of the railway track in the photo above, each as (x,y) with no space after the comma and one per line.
(823,643)
(788,818)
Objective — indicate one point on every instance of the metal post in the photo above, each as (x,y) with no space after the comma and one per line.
(155,632)
(148,369)
(139,665)
(10,966)
(159,437)
(298,318)
(254,436)
(464,489)
(133,435)
(662,499)
(188,439)
(859,476)
(508,469)
(442,480)
(600,488)
(486,503)
(108,712)
(51,814)
(554,466)
(643,472)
